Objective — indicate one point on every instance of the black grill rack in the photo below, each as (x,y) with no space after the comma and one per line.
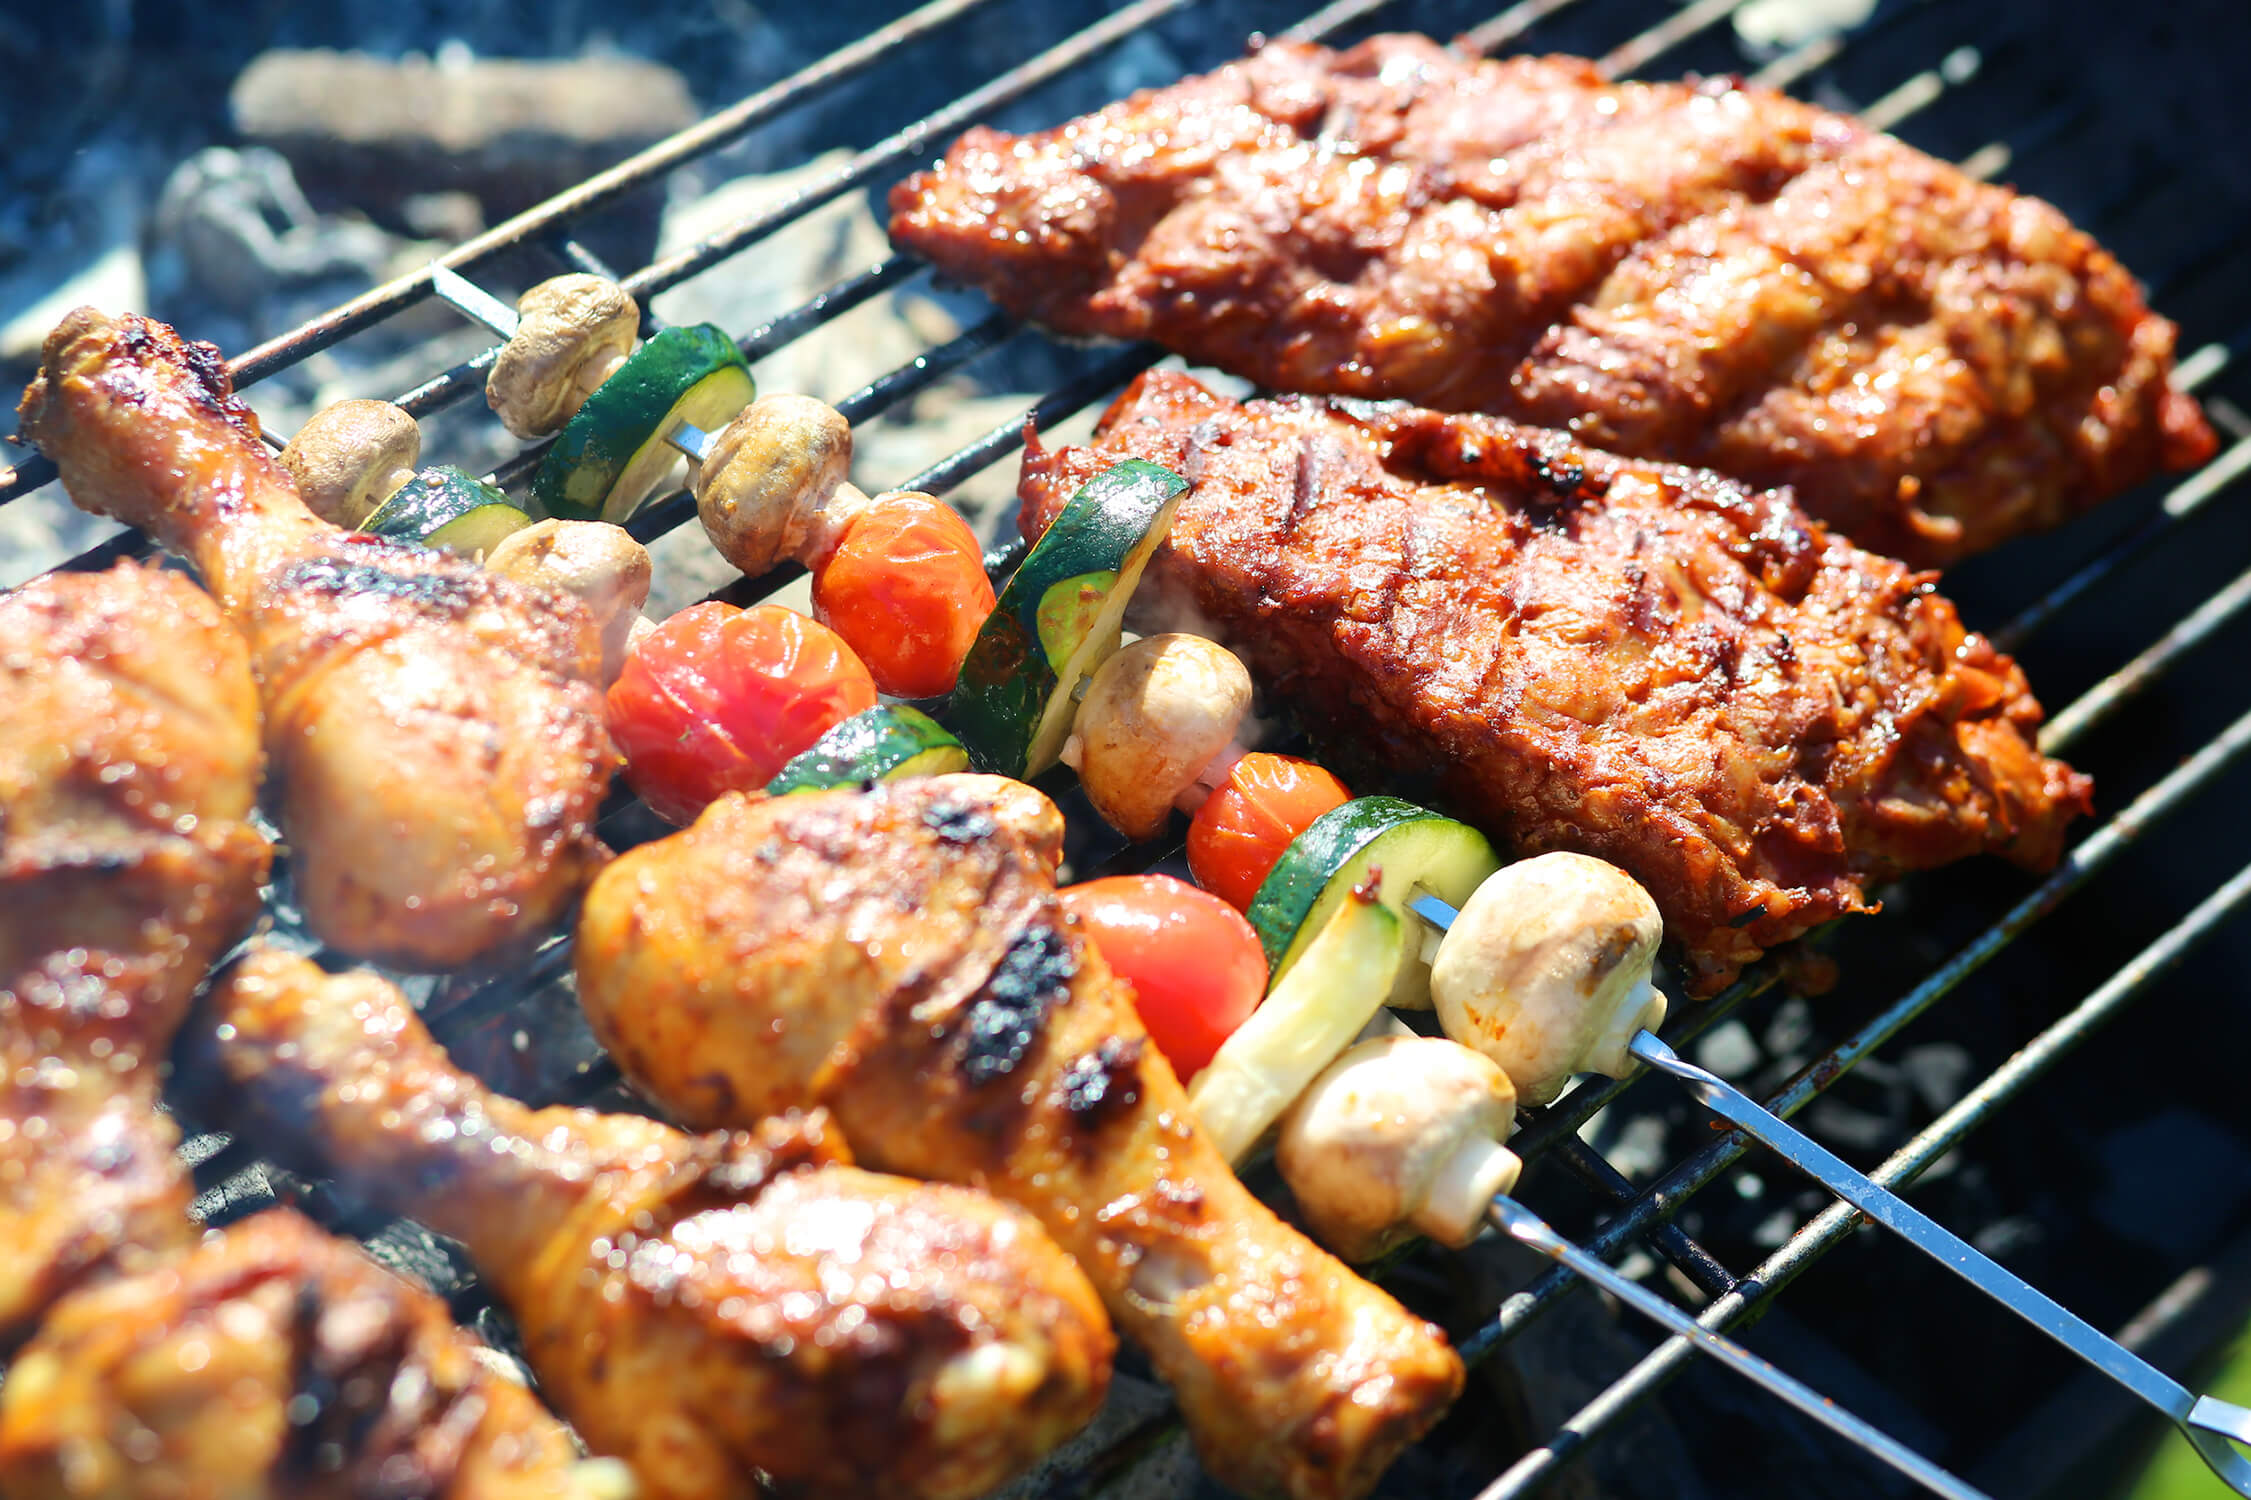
(2072,573)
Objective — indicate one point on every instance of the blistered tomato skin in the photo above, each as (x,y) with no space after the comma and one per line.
(717,699)
(1243,827)
(906,586)
(1192,962)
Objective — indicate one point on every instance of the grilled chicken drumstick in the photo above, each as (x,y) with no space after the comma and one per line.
(264,1360)
(701,1306)
(128,763)
(899,956)
(1705,272)
(1647,664)
(435,732)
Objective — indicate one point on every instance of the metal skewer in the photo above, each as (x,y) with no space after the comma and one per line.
(1513,1219)
(479,305)
(1522,1225)
(2208,1424)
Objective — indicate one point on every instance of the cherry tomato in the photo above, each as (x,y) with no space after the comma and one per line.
(717,699)
(1192,962)
(1242,828)
(906,586)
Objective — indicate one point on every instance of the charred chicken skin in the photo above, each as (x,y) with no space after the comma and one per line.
(263,1360)
(701,1306)
(274,1361)
(1651,665)
(1701,272)
(899,956)
(434,732)
(128,765)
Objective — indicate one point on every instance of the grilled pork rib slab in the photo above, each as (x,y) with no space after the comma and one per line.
(1700,272)
(1652,665)
(899,957)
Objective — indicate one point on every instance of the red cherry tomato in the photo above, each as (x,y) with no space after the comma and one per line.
(717,699)
(1242,828)
(906,586)
(1192,962)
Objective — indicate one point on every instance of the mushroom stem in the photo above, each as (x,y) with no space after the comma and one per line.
(1475,1173)
(1210,779)
(1609,1048)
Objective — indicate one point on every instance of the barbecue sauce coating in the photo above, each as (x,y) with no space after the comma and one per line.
(129,762)
(1703,272)
(434,731)
(706,1307)
(1651,665)
(899,956)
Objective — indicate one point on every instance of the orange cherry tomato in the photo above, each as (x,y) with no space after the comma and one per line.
(906,586)
(1242,828)
(1194,965)
(717,699)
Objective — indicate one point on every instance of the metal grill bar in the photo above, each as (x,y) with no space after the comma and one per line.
(1829,1228)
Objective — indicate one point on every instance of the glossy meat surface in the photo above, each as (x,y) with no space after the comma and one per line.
(1650,665)
(1701,272)
(272,1362)
(899,957)
(435,732)
(700,1306)
(128,763)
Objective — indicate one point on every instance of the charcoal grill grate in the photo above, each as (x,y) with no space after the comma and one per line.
(1640,1214)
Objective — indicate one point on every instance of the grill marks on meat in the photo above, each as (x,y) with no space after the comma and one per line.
(1649,664)
(1698,272)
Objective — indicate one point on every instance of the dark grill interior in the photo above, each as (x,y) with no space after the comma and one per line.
(2107,1176)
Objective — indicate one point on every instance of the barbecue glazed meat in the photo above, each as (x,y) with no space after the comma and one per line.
(1650,665)
(1702,272)
(899,957)
(435,732)
(699,1306)
(128,763)
(274,1361)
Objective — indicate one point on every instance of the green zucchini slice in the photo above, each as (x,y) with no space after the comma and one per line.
(612,453)
(1059,618)
(443,507)
(1411,848)
(1307,1019)
(889,742)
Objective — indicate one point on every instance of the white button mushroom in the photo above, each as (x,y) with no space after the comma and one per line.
(575,331)
(774,485)
(1157,728)
(1546,971)
(1399,1135)
(593,560)
(350,457)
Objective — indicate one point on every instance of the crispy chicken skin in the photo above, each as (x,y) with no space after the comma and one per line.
(128,762)
(1701,272)
(899,957)
(435,732)
(700,1306)
(274,1361)
(1651,665)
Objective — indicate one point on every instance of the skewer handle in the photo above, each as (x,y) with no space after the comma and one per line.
(2207,1423)
(1521,1224)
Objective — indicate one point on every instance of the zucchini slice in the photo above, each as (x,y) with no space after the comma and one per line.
(435,509)
(611,454)
(885,743)
(1306,1021)
(1059,617)
(1412,848)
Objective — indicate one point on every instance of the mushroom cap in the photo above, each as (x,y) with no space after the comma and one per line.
(593,560)
(1153,717)
(575,330)
(349,457)
(1546,970)
(764,490)
(1399,1133)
